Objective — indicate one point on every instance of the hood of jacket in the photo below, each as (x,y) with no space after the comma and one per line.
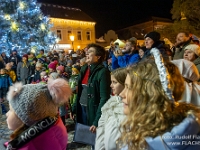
(184,136)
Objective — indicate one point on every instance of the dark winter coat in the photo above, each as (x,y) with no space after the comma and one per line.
(197,63)
(1,65)
(160,46)
(5,81)
(179,52)
(98,92)
(37,77)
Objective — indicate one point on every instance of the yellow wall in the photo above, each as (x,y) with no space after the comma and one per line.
(74,25)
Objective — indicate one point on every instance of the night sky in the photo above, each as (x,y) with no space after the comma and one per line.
(117,14)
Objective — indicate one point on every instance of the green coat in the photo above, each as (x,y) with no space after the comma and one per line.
(98,93)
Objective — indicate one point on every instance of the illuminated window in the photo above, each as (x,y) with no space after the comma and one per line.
(88,35)
(59,34)
(79,35)
(69,32)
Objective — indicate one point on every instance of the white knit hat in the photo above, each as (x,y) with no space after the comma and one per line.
(193,47)
(187,69)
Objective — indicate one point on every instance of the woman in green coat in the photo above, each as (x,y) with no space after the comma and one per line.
(93,88)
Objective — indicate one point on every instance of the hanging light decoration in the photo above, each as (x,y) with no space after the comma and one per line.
(14,26)
(7,16)
(33,49)
(21,5)
(42,26)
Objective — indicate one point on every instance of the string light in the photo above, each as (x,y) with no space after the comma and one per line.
(57,40)
(42,26)
(33,49)
(21,5)
(7,16)
(14,26)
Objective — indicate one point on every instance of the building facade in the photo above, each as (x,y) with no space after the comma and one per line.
(73,27)
(142,27)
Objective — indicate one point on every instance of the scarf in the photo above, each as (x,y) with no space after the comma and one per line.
(32,132)
(24,64)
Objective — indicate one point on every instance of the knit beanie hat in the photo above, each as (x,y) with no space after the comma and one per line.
(52,65)
(38,65)
(34,102)
(26,56)
(54,75)
(155,36)
(70,61)
(61,68)
(193,47)
(76,69)
(187,69)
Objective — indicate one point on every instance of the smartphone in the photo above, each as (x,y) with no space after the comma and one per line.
(117,49)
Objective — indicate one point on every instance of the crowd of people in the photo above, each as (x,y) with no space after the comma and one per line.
(138,97)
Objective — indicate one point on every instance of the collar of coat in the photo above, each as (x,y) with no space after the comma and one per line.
(93,67)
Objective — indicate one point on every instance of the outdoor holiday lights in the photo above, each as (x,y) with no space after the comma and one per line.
(21,5)
(42,26)
(14,26)
(7,16)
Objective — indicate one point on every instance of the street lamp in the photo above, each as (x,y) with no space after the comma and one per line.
(72,40)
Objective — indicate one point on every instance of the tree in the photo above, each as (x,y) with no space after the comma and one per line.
(24,27)
(185,14)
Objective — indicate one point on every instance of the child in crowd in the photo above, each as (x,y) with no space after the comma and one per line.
(33,116)
(112,114)
(60,70)
(82,61)
(5,83)
(44,77)
(68,68)
(38,70)
(11,72)
(154,118)
(73,82)
(52,67)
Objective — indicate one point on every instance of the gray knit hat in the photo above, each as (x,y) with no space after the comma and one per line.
(34,102)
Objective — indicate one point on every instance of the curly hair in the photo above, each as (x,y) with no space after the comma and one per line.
(151,113)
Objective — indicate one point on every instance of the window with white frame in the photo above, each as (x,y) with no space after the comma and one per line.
(88,35)
(79,35)
(69,33)
(59,34)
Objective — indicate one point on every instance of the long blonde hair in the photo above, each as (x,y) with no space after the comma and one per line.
(151,113)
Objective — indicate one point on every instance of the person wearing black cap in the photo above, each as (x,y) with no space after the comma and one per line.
(15,59)
(152,40)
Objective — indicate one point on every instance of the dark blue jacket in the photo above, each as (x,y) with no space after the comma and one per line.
(36,77)
(5,81)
